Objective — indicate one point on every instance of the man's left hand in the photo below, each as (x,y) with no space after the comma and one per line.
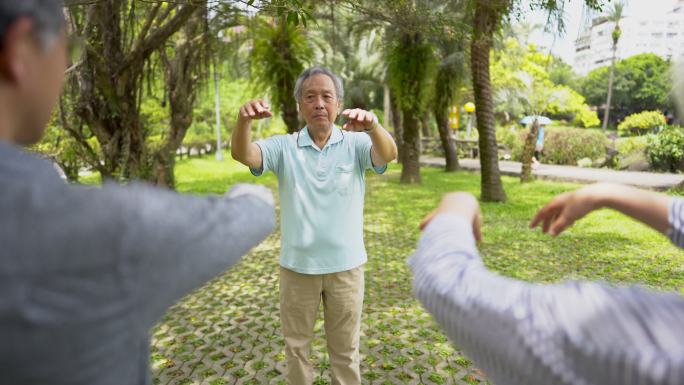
(359,120)
(461,203)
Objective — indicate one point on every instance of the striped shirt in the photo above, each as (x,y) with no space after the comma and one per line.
(583,333)
(676,219)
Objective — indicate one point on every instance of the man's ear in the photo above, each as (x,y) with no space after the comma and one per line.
(16,45)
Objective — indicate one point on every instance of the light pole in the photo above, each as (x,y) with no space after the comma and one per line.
(469,108)
(219,152)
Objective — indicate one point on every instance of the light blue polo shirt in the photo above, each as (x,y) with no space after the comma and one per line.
(321,198)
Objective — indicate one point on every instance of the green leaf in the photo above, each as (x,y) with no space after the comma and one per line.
(292,18)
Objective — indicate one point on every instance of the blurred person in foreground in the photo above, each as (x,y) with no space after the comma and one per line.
(580,333)
(86,272)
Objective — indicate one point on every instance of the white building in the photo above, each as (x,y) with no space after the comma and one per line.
(662,35)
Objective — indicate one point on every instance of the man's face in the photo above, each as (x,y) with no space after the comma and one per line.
(31,79)
(319,105)
(42,87)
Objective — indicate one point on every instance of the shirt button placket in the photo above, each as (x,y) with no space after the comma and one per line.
(322,166)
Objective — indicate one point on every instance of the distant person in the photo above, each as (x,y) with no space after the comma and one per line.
(321,184)
(538,147)
(86,272)
(522,333)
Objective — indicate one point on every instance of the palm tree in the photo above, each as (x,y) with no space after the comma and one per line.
(280,53)
(486,21)
(487,16)
(410,70)
(449,78)
(614,15)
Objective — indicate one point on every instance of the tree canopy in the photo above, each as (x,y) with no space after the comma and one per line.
(642,82)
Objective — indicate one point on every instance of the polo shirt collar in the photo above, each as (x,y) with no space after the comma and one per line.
(304,139)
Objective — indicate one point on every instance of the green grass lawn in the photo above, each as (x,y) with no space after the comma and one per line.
(606,245)
(228,332)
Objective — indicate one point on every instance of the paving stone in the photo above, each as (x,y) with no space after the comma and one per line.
(228,332)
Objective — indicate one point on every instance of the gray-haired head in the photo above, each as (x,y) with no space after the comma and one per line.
(318,70)
(47,17)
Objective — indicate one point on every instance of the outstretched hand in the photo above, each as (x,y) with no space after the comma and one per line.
(462,203)
(359,120)
(254,110)
(565,209)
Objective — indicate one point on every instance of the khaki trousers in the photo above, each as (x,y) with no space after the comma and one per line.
(300,298)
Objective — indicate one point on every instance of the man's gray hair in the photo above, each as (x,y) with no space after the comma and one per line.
(317,70)
(47,17)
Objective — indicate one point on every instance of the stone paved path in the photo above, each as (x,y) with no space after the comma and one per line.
(650,180)
(228,332)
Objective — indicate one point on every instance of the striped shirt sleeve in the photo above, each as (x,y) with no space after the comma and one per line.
(676,220)
(522,333)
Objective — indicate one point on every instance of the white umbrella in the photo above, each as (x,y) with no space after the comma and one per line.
(543,120)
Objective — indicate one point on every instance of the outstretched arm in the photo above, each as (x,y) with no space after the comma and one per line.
(648,207)
(384,148)
(171,244)
(241,147)
(521,333)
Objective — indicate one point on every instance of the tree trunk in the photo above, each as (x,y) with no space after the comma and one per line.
(387,106)
(110,81)
(528,150)
(485,24)
(410,171)
(611,75)
(398,125)
(290,116)
(442,117)
(163,170)
(181,79)
(286,79)
(70,169)
(425,125)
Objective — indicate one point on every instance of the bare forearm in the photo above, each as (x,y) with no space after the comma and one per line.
(383,144)
(242,148)
(648,207)
(241,140)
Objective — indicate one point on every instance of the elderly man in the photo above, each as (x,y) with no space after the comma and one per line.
(320,173)
(86,272)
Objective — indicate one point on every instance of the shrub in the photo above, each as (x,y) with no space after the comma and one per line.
(665,150)
(629,151)
(641,123)
(626,146)
(586,118)
(508,136)
(567,145)
(584,163)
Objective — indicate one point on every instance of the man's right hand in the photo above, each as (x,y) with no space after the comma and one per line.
(242,149)
(254,110)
